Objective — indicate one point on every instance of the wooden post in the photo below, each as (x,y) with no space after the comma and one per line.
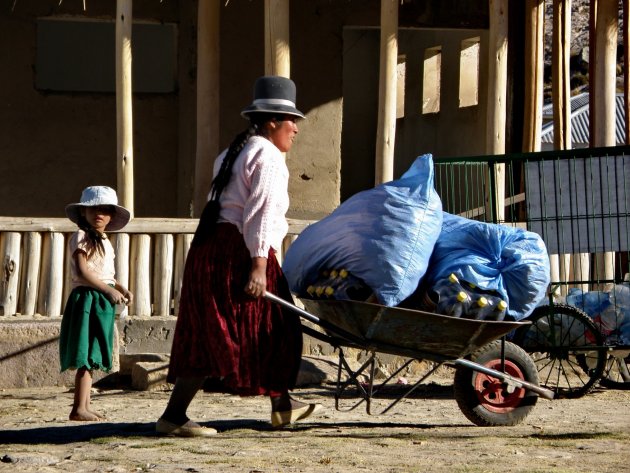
(163,274)
(626,67)
(497,76)
(30,272)
(561,75)
(51,278)
(603,107)
(497,96)
(207,100)
(386,128)
(124,109)
(9,272)
(140,264)
(561,99)
(182,245)
(120,242)
(534,65)
(277,44)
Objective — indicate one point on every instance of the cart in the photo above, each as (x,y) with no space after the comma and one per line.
(578,201)
(495,383)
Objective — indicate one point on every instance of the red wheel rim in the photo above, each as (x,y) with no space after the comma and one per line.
(493,394)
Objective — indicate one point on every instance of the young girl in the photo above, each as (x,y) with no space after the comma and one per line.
(87,327)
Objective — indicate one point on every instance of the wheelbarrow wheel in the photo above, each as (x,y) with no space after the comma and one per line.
(485,400)
(617,372)
(567,348)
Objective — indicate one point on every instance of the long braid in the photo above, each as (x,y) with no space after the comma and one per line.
(210,214)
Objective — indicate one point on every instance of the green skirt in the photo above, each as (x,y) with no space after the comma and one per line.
(87,331)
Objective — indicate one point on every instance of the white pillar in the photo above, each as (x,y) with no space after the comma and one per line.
(124,110)
(386,128)
(207,148)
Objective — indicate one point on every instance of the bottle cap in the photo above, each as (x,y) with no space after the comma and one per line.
(482,301)
(329,291)
(310,290)
(502,305)
(333,273)
(453,278)
(462,296)
(319,291)
(343,273)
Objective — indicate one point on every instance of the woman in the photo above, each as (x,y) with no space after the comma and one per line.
(226,330)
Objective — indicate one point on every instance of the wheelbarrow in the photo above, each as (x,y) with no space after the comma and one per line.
(495,383)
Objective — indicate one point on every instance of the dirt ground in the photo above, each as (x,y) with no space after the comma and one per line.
(426,433)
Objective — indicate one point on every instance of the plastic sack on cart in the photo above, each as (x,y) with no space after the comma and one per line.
(610,310)
(384,235)
(508,260)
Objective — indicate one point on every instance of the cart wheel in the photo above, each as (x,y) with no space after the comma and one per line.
(617,372)
(567,348)
(485,400)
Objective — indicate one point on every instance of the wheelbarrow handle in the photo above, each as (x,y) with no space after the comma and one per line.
(316,320)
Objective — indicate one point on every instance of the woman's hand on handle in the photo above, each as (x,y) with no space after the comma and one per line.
(257,282)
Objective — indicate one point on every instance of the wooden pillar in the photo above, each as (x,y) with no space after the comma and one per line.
(182,245)
(497,96)
(386,128)
(561,75)
(10,246)
(29,278)
(277,45)
(163,274)
(603,107)
(626,67)
(51,276)
(497,76)
(207,147)
(568,266)
(534,67)
(124,109)
(140,275)
(120,242)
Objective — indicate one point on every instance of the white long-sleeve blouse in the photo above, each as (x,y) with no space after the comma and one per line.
(256,199)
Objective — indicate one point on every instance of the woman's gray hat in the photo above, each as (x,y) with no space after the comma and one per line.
(100,195)
(273,94)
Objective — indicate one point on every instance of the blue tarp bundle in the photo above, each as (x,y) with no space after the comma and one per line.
(511,261)
(383,235)
(392,235)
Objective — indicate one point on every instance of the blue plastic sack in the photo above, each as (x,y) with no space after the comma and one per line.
(383,235)
(512,261)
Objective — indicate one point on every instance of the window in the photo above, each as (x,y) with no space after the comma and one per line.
(78,55)
(431,82)
(401,72)
(469,73)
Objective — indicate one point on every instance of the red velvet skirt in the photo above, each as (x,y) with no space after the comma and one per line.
(247,346)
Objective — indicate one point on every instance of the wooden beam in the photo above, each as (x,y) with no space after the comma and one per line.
(124,108)
(386,127)
(277,45)
(497,76)
(534,68)
(207,147)
(137,225)
(497,97)
(603,105)
(626,67)
(605,73)
(561,75)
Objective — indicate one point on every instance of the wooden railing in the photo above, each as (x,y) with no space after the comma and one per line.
(150,256)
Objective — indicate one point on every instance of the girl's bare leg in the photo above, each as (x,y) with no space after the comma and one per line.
(81,406)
